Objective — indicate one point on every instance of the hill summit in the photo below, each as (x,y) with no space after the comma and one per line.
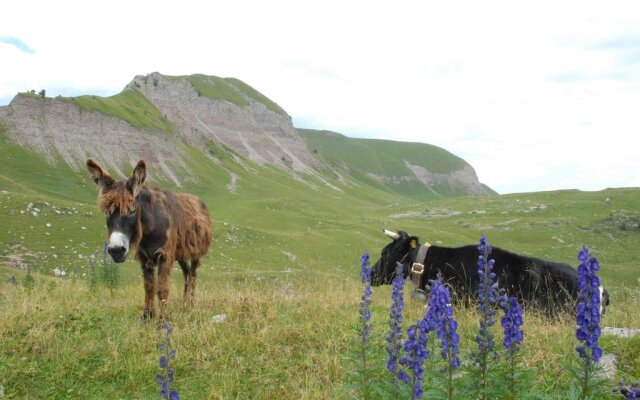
(163,119)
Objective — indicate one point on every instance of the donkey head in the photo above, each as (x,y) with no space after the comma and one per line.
(117,201)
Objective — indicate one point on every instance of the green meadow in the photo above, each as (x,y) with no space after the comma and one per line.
(284,270)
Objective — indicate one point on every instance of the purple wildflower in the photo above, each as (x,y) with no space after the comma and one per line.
(588,308)
(513,337)
(167,377)
(629,392)
(394,336)
(365,272)
(365,303)
(365,317)
(511,323)
(487,298)
(415,348)
(439,318)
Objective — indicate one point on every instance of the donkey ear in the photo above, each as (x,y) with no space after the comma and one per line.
(137,178)
(99,176)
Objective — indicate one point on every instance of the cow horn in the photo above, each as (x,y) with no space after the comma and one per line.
(392,235)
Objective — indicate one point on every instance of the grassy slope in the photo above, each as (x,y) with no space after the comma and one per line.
(129,105)
(362,157)
(24,171)
(255,95)
(284,268)
(228,89)
(381,156)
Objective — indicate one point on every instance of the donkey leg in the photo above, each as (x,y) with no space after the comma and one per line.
(195,263)
(148,275)
(162,288)
(185,273)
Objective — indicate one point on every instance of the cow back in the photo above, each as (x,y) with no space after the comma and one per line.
(530,279)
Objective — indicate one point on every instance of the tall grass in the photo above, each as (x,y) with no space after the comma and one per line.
(285,337)
(66,341)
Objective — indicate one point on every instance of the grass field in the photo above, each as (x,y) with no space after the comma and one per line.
(284,269)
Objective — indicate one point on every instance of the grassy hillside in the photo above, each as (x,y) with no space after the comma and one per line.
(362,158)
(27,172)
(128,105)
(255,95)
(258,214)
(284,268)
(382,157)
(227,89)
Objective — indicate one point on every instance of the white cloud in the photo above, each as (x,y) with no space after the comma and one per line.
(535,96)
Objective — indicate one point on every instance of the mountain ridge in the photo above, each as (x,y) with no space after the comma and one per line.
(397,164)
(160,118)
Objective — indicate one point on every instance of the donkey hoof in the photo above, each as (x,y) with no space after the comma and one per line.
(147,315)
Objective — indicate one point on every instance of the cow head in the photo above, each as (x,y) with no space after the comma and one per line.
(402,249)
(117,202)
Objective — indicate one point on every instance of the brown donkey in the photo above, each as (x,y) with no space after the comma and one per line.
(162,225)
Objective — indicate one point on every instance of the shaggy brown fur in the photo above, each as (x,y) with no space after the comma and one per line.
(163,226)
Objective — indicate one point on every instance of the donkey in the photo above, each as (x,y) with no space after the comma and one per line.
(163,226)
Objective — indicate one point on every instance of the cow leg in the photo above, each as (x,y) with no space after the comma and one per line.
(164,270)
(149,279)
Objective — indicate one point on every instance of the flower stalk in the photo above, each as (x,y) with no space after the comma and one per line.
(588,316)
(365,317)
(166,378)
(394,337)
(487,298)
(513,338)
(439,318)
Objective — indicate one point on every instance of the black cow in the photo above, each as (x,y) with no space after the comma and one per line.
(546,285)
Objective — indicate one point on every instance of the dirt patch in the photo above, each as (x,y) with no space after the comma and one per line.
(232,186)
(16,256)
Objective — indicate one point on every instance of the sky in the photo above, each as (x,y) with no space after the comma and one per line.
(536,95)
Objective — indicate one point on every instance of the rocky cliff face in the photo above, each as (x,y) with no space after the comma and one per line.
(465,178)
(59,128)
(253,131)
(462,181)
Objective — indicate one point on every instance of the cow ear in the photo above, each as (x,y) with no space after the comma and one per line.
(137,178)
(99,176)
(413,241)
